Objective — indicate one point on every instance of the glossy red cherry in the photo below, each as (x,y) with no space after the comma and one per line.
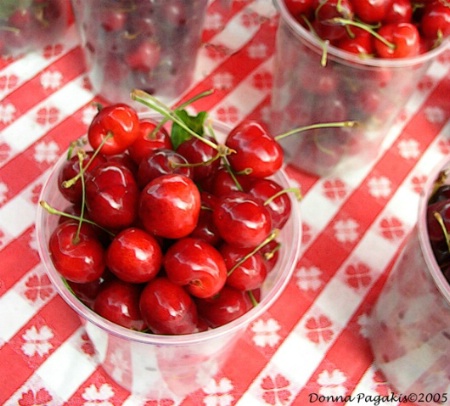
(118,302)
(325,12)
(70,169)
(112,196)
(299,7)
(205,228)
(256,151)
(113,129)
(134,256)
(167,309)
(271,195)
(435,21)
(169,206)
(400,11)
(196,265)
(242,220)
(78,256)
(226,306)
(162,162)
(404,37)
(148,140)
(144,57)
(248,275)
(371,11)
(224,182)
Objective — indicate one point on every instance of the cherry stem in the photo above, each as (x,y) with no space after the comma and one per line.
(338,124)
(440,220)
(70,182)
(345,21)
(274,234)
(252,298)
(83,198)
(52,210)
(269,255)
(295,190)
(324,44)
(156,105)
(440,181)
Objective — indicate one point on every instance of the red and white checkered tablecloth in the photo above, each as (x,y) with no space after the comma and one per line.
(313,340)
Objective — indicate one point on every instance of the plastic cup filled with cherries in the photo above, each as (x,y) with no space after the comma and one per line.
(27,25)
(150,45)
(410,329)
(350,60)
(168,233)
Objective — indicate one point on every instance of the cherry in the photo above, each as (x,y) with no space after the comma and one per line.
(76,252)
(226,306)
(113,129)
(113,19)
(205,228)
(325,12)
(256,151)
(242,220)
(150,137)
(196,265)
(371,11)
(404,37)
(71,168)
(169,206)
(248,274)
(145,57)
(361,43)
(167,309)
(270,253)
(87,292)
(225,182)
(112,196)
(299,7)
(162,162)
(118,302)
(435,225)
(435,22)
(278,203)
(204,156)
(400,11)
(134,256)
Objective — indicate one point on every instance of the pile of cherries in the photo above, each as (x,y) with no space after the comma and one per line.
(29,24)
(382,28)
(168,231)
(438,223)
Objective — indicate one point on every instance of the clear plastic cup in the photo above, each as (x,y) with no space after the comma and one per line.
(410,329)
(148,45)
(371,91)
(31,25)
(162,365)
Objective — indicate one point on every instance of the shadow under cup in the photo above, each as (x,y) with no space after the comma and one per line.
(370,91)
(163,365)
(410,328)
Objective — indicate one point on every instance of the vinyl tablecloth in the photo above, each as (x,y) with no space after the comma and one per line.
(313,342)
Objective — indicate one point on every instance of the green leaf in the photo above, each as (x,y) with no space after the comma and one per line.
(195,123)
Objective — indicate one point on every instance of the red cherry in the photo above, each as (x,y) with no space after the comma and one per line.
(400,12)
(248,275)
(279,207)
(255,150)
(226,306)
(196,265)
(118,302)
(205,228)
(435,20)
(113,19)
(78,257)
(162,162)
(197,151)
(270,253)
(70,169)
(112,196)
(167,309)
(371,11)
(119,124)
(299,7)
(405,38)
(148,140)
(145,56)
(361,43)
(134,256)
(325,12)
(224,183)
(169,206)
(242,220)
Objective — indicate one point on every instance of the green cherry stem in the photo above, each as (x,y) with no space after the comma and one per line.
(440,220)
(156,105)
(274,234)
(52,210)
(346,22)
(324,44)
(252,298)
(337,124)
(296,191)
